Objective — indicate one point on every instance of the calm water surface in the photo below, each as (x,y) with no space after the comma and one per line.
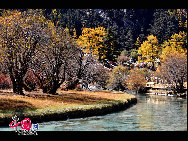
(151,113)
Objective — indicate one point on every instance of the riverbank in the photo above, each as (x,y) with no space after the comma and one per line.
(41,107)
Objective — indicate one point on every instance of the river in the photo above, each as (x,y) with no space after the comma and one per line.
(151,113)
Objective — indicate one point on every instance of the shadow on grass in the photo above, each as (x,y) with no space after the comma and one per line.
(11,107)
(15,105)
(74,98)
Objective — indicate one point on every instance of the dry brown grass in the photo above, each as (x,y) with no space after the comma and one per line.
(33,101)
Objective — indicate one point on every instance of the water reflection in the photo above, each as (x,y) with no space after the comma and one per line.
(162,113)
(151,113)
(157,100)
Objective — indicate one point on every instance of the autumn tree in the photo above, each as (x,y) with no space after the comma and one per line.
(126,55)
(134,54)
(55,61)
(97,74)
(91,41)
(138,42)
(123,59)
(177,43)
(87,69)
(20,35)
(149,50)
(136,80)
(117,78)
(174,70)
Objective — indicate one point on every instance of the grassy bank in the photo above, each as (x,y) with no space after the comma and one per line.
(68,104)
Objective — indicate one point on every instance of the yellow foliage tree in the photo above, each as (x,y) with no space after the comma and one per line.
(138,43)
(91,41)
(149,50)
(74,33)
(177,43)
(21,35)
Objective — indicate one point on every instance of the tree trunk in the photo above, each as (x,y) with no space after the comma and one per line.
(153,66)
(179,86)
(54,87)
(53,90)
(44,89)
(18,86)
(55,82)
(17,82)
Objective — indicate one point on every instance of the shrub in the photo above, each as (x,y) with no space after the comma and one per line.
(136,80)
(100,75)
(117,78)
(31,82)
(5,81)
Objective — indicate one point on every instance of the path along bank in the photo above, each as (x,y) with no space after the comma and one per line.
(41,107)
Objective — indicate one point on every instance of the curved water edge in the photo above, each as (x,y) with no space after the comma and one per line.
(96,110)
(151,113)
(80,113)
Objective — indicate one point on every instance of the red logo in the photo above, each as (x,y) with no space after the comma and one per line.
(25,125)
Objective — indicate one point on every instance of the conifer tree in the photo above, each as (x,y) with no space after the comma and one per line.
(164,25)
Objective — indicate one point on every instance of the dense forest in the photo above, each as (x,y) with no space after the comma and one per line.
(54,46)
(126,25)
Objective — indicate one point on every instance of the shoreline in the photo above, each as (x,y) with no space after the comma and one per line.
(76,112)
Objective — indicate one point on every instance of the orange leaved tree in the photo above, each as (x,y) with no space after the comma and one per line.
(136,79)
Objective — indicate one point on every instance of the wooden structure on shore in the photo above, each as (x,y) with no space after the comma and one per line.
(163,89)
